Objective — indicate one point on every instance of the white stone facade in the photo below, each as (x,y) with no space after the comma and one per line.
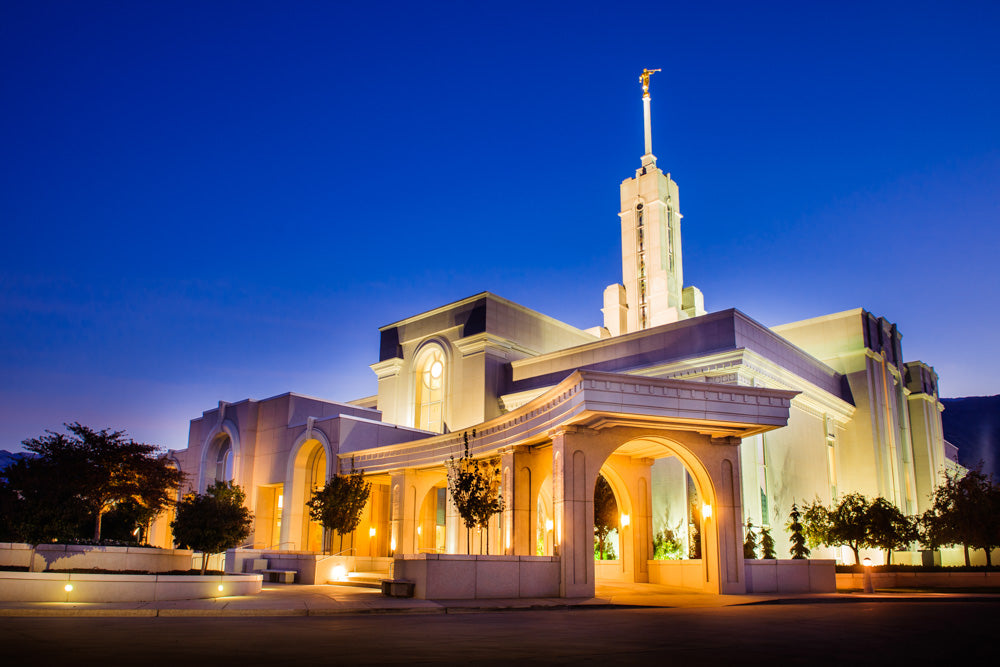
(698,421)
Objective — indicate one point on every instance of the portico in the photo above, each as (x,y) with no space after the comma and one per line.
(589,423)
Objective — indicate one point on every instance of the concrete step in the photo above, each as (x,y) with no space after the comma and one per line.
(362,579)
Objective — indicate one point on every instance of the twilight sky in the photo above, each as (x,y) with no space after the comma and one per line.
(221,200)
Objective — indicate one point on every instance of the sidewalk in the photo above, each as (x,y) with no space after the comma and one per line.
(328,600)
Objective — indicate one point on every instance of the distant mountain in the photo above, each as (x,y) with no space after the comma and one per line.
(6,458)
(973,425)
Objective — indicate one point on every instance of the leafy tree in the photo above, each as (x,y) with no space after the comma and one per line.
(965,510)
(213,521)
(37,505)
(474,487)
(605,515)
(339,504)
(767,544)
(799,550)
(888,528)
(844,524)
(104,468)
(749,541)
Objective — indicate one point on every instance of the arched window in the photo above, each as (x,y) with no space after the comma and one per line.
(224,462)
(430,390)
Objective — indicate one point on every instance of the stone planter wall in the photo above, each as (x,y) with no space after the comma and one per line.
(78,556)
(851,580)
(459,577)
(51,587)
(812,575)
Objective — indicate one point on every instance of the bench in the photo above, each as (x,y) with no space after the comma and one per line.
(280,576)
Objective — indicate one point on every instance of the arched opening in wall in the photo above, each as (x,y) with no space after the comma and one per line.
(430,377)
(314,537)
(650,500)
(544,520)
(373,536)
(432,531)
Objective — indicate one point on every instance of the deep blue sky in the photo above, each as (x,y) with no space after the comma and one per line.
(214,200)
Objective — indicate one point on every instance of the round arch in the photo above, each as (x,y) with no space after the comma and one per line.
(215,440)
(311,462)
(430,383)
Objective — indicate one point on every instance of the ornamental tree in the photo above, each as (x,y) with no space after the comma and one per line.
(213,521)
(965,510)
(767,544)
(749,541)
(888,528)
(798,550)
(339,504)
(474,487)
(844,524)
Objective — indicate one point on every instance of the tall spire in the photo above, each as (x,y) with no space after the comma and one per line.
(648,158)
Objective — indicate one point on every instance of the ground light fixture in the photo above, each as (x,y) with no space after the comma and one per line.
(869,587)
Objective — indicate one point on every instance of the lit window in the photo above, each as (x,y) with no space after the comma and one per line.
(430,390)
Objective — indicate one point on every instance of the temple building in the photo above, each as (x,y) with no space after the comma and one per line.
(697,421)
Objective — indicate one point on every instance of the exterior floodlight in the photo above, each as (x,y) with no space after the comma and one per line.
(706,511)
(371,532)
(548,524)
(68,588)
(625,520)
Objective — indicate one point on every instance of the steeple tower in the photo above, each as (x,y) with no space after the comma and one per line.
(653,291)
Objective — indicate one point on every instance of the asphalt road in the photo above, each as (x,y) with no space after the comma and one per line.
(884,633)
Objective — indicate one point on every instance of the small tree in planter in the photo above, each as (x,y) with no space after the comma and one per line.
(339,504)
(767,544)
(750,542)
(799,550)
(474,487)
(213,521)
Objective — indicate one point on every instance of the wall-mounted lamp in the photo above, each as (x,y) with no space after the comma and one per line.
(68,588)
(371,532)
(420,530)
(625,520)
(549,525)
(706,511)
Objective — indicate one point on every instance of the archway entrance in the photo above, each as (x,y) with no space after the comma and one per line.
(625,456)
(648,515)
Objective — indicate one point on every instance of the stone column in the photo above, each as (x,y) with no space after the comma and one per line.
(573,475)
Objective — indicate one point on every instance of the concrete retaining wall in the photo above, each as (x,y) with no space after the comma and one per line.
(920,580)
(51,587)
(78,556)
(813,575)
(457,577)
